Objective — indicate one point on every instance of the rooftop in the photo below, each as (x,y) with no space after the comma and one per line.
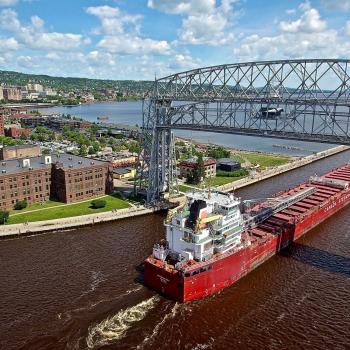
(69,161)
(213,197)
(226,161)
(20,147)
(122,171)
(193,161)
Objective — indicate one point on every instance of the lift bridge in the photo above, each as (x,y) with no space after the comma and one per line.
(291,99)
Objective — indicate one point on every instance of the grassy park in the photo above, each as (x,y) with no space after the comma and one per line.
(265,160)
(56,210)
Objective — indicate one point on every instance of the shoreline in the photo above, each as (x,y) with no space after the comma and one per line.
(36,227)
(45,226)
(294,164)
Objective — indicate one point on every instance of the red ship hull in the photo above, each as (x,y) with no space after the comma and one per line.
(267,239)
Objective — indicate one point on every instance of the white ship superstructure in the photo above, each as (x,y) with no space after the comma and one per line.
(209,223)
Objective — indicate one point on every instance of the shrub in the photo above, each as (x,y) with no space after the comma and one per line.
(233,173)
(21,205)
(4,215)
(98,203)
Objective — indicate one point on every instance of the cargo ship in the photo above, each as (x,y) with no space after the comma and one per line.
(215,239)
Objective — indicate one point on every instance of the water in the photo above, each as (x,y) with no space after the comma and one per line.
(129,113)
(79,290)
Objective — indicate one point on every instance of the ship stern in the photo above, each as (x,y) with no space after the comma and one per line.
(163,279)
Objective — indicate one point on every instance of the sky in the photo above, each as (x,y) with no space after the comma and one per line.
(141,39)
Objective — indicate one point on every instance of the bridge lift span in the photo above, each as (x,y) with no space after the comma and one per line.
(305,100)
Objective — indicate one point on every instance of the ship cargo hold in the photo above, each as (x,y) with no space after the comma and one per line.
(216,239)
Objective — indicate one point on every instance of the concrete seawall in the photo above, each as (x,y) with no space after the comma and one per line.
(281,169)
(7,231)
(72,222)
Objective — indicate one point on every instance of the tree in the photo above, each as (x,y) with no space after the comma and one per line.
(21,205)
(98,203)
(91,151)
(83,150)
(218,152)
(96,146)
(134,147)
(93,129)
(4,216)
(199,170)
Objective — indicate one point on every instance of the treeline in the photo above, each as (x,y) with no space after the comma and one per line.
(71,83)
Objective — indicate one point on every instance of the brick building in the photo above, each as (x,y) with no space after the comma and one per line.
(187,167)
(64,178)
(16,131)
(76,178)
(19,151)
(55,122)
(2,130)
(12,93)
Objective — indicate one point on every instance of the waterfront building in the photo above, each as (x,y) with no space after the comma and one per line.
(77,178)
(188,166)
(65,178)
(19,151)
(124,173)
(12,93)
(54,122)
(227,164)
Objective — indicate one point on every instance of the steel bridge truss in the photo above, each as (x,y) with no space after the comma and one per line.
(312,98)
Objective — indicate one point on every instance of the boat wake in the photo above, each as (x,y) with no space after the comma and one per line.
(174,310)
(115,327)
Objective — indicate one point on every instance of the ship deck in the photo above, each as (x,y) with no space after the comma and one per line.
(294,213)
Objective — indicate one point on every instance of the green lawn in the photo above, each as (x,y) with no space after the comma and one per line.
(77,209)
(184,188)
(213,182)
(48,204)
(221,180)
(263,159)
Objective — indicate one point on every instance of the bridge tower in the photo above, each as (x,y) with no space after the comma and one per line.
(158,171)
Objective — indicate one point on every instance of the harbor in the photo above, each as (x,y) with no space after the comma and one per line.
(88,280)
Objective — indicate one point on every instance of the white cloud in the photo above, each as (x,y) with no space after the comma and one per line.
(183,7)
(184,62)
(35,36)
(112,19)
(129,44)
(347,28)
(8,44)
(205,22)
(121,33)
(307,37)
(7,2)
(309,22)
(342,5)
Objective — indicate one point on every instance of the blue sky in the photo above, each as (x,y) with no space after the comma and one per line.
(136,39)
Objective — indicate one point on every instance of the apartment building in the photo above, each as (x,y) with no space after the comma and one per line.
(65,178)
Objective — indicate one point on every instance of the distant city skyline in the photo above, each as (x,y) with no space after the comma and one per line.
(138,39)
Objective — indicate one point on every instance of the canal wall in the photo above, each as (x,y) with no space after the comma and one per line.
(30,228)
(297,163)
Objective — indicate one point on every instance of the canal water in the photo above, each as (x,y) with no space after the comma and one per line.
(130,113)
(81,289)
